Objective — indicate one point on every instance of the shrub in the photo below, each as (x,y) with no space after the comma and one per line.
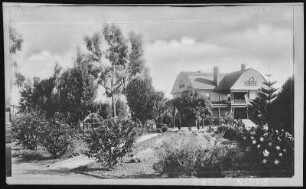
(158,130)
(208,121)
(191,156)
(167,120)
(56,137)
(164,129)
(273,149)
(229,119)
(110,140)
(231,132)
(218,121)
(25,129)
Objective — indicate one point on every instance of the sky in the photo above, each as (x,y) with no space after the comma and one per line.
(175,39)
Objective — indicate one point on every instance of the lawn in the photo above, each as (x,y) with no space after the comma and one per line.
(140,163)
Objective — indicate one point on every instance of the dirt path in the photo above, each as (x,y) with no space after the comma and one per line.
(66,171)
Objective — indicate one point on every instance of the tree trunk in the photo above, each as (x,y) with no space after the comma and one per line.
(174,121)
(180,123)
(112,91)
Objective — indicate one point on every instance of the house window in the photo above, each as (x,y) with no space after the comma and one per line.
(239,96)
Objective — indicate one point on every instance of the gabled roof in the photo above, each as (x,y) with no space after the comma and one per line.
(229,80)
(205,81)
(201,80)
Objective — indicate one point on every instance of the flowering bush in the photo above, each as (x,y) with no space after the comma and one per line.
(273,149)
(109,140)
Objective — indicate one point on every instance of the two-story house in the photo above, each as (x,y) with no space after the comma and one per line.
(230,92)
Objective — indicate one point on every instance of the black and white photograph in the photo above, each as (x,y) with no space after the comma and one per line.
(154,94)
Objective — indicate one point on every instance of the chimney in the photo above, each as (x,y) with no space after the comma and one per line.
(242,67)
(216,75)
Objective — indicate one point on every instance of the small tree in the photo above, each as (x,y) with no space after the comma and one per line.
(140,98)
(259,107)
(109,140)
(191,106)
(282,108)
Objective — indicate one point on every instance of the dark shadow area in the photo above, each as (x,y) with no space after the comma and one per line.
(145,176)
(87,169)
(92,175)
(60,171)
(30,157)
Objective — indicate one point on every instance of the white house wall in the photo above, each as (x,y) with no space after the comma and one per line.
(248,81)
(181,80)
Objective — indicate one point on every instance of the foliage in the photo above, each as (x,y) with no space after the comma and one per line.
(167,119)
(125,58)
(42,96)
(259,107)
(121,109)
(75,94)
(143,100)
(160,107)
(20,79)
(103,109)
(191,156)
(208,120)
(229,118)
(25,129)
(32,129)
(109,140)
(232,132)
(56,136)
(136,61)
(218,120)
(26,102)
(164,129)
(15,40)
(273,149)
(191,106)
(282,108)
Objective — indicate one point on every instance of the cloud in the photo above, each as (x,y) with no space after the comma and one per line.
(176,39)
(263,48)
(41,64)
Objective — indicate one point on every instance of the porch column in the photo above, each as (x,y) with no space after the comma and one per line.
(247,112)
(219,112)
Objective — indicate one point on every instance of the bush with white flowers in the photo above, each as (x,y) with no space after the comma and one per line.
(273,149)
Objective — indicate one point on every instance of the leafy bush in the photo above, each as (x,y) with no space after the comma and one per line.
(208,121)
(191,156)
(164,129)
(109,140)
(158,130)
(273,149)
(167,120)
(56,137)
(25,129)
(231,132)
(33,129)
(229,118)
(218,120)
